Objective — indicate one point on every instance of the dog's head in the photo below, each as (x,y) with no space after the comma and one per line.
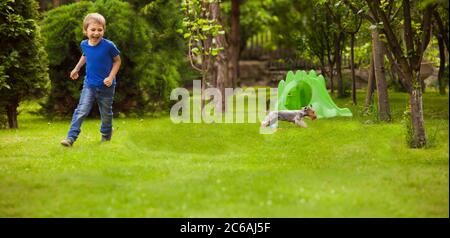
(310,112)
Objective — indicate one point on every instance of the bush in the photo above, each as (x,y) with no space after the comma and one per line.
(62,29)
(23,61)
(147,74)
(169,66)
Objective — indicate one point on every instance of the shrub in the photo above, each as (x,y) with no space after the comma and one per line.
(23,61)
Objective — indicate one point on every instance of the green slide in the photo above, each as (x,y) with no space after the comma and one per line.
(303,89)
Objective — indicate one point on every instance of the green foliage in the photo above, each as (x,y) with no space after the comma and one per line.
(23,61)
(149,69)
(255,17)
(362,54)
(318,39)
(169,48)
(200,28)
(309,27)
(290,25)
(432,52)
(62,29)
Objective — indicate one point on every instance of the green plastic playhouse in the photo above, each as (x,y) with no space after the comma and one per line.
(303,89)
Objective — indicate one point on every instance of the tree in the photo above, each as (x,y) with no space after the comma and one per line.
(242,19)
(441,33)
(201,27)
(318,41)
(234,41)
(336,14)
(221,64)
(306,28)
(370,86)
(23,61)
(352,24)
(384,112)
(408,58)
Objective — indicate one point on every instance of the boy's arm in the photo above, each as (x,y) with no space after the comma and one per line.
(115,68)
(74,74)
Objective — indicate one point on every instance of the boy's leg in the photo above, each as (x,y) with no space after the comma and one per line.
(84,107)
(105,101)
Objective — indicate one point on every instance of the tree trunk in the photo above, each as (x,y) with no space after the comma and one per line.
(11,110)
(323,68)
(56,3)
(441,29)
(352,65)
(418,129)
(235,41)
(209,63)
(221,64)
(42,5)
(441,65)
(395,68)
(331,78)
(423,85)
(409,67)
(338,55)
(324,71)
(380,78)
(331,68)
(206,75)
(202,90)
(370,87)
(222,77)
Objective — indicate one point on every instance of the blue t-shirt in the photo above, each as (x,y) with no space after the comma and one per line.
(99,61)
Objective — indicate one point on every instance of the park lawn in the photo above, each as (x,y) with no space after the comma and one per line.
(339,167)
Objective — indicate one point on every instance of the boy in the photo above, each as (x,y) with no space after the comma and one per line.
(102,63)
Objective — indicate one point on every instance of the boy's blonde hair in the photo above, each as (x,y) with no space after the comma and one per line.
(94,17)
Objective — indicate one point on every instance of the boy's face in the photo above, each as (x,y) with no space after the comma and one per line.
(94,32)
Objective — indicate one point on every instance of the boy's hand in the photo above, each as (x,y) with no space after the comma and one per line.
(108,81)
(74,74)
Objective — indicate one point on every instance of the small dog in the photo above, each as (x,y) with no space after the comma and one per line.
(295,116)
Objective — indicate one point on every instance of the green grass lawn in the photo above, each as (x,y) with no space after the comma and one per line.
(340,167)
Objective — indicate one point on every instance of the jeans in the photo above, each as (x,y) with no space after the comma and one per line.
(104,96)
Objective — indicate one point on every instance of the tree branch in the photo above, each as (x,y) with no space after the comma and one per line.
(441,28)
(389,7)
(408,34)
(392,17)
(190,56)
(391,38)
(426,32)
(426,26)
(355,11)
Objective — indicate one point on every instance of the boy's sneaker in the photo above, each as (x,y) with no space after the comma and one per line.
(68,142)
(107,137)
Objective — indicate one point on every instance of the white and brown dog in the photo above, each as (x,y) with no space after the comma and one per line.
(295,116)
